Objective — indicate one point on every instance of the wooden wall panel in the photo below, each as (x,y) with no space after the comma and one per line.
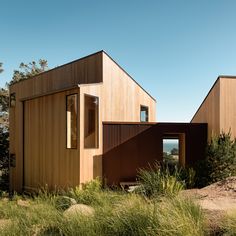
(124,95)
(228,105)
(120,98)
(209,111)
(83,71)
(46,159)
(122,160)
(16,141)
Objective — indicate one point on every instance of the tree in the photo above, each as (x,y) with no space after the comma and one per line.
(1,69)
(4,159)
(220,161)
(4,100)
(29,70)
(25,71)
(174,151)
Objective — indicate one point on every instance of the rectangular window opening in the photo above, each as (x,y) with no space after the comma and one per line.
(171,152)
(12,99)
(144,114)
(91,106)
(71,120)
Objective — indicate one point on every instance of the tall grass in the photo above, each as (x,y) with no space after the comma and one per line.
(116,213)
(158,181)
(228,224)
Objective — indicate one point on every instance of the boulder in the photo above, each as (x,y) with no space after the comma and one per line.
(79,209)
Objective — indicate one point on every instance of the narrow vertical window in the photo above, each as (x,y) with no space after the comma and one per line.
(12,99)
(144,114)
(71,120)
(90,121)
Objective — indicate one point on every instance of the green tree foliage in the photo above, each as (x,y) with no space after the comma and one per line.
(25,71)
(29,70)
(1,69)
(174,151)
(4,158)
(4,99)
(220,161)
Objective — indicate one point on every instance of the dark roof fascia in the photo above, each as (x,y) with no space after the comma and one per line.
(149,123)
(218,78)
(129,76)
(47,71)
(127,123)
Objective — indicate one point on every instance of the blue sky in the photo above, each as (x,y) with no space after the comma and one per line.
(174,48)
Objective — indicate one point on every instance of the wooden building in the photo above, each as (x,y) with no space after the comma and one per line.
(56,134)
(218,109)
(129,146)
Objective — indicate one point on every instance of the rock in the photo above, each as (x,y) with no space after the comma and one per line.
(23,203)
(80,209)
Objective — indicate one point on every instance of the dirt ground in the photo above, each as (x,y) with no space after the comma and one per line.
(217,200)
(219,196)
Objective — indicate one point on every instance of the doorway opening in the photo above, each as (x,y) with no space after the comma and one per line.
(174,150)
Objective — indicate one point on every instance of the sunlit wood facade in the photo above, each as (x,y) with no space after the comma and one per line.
(56,121)
(218,109)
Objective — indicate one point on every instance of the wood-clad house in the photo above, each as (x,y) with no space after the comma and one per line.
(56,134)
(218,109)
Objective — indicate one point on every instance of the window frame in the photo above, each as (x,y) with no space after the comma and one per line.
(147,113)
(93,96)
(77,126)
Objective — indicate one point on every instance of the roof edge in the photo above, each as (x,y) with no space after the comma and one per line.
(44,72)
(216,81)
(218,78)
(129,75)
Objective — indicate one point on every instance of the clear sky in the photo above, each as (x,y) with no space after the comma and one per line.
(174,48)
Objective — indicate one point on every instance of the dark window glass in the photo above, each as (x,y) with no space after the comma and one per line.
(71,120)
(13,100)
(90,121)
(144,114)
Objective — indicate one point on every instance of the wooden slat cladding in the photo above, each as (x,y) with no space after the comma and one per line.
(144,145)
(83,71)
(218,108)
(228,105)
(120,99)
(46,159)
(119,96)
(209,111)
(119,134)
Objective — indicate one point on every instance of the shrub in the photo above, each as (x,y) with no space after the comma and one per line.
(220,161)
(188,176)
(64,202)
(4,159)
(157,181)
(93,194)
(94,185)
